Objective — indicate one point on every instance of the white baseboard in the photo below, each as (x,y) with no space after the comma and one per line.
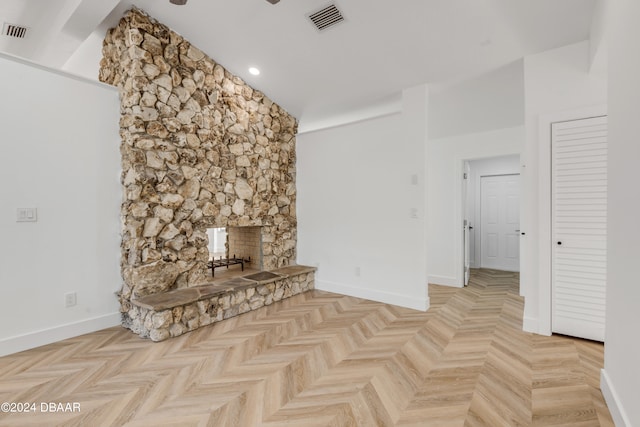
(616,409)
(408,301)
(445,281)
(529,324)
(58,333)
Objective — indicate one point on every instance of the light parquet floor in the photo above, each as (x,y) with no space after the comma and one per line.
(322,359)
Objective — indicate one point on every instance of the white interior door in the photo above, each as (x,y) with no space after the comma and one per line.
(579,227)
(500,222)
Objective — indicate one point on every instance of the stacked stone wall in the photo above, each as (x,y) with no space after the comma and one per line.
(200,148)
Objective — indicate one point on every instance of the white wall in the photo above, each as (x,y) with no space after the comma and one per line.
(355,198)
(352,114)
(494,100)
(555,81)
(598,46)
(59,154)
(444,195)
(621,374)
(503,165)
(85,60)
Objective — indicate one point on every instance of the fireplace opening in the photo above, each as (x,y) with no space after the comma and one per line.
(217,242)
(234,250)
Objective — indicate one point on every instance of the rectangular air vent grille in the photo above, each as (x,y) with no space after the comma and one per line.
(326,17)
(16,31)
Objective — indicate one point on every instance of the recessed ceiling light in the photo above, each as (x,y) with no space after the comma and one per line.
(178,2)
(254,71)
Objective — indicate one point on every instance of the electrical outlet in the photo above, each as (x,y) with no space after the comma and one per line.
(70,299)
(358,271)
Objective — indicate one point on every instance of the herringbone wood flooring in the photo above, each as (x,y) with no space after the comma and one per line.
(321,359)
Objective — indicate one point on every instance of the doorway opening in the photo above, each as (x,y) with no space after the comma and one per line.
(491,218)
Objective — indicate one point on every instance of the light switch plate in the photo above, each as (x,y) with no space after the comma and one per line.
(27,215)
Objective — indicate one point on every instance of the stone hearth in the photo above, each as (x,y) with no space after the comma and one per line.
(200,148)
(173,313)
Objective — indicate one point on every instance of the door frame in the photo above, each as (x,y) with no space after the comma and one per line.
(459,207)
(544,292)
(466,227)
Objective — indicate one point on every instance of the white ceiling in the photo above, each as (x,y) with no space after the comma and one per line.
(381,48)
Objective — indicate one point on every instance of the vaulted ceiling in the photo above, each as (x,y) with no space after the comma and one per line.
(379,49)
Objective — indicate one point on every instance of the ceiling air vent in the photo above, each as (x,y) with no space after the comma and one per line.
(16,31)
(326,17)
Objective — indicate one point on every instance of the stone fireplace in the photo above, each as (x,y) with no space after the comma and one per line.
(200,149)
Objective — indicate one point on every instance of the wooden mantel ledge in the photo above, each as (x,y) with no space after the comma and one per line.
(179,297)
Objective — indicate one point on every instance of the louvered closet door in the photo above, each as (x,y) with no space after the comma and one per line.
(579,227)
